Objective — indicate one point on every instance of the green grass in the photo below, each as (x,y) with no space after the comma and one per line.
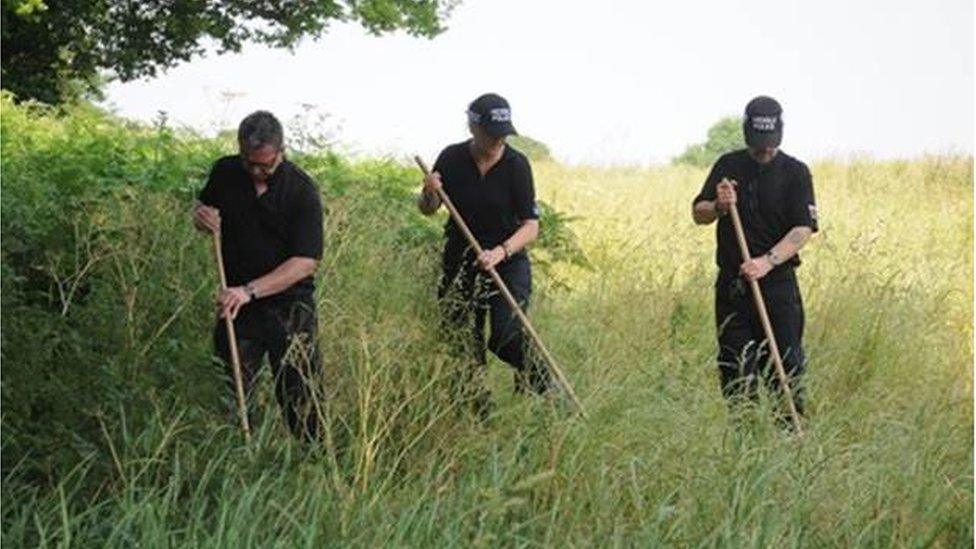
(116,430)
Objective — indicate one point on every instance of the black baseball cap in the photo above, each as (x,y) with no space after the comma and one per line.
(491,112)
(763,123)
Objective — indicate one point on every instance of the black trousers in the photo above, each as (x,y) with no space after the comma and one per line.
(744,357)
(469,297)
(284,331)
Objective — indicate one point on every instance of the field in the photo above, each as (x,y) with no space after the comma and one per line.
(116,430)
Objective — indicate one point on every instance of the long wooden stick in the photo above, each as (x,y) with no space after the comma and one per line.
(550,362)
(740,235)
(235,357)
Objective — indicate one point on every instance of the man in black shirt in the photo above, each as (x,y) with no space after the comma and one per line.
(774,195)
(269,215)
(491,185)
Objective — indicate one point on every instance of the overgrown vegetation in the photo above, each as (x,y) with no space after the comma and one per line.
(116,428)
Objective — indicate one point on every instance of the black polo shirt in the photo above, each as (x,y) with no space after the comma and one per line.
(259,233)
(772,199)
(493,206)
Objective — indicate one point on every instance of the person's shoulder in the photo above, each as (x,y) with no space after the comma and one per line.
(730,160)
(297,174)
(734,157)
(301,182)
(517,159)
(227,163)
(517,156)
(454,150)
(793,164)
(451,160)
(224,173)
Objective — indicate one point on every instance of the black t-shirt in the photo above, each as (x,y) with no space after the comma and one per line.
(772,199)
(493,206)
(259,233)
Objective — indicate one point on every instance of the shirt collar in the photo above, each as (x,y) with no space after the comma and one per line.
(774,162)
(277,176)
(506,153)
(279,173)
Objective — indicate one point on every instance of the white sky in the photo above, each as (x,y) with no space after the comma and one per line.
(612,82)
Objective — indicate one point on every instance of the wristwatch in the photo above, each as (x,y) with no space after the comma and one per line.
(251,292)
(773,258)
(505,249)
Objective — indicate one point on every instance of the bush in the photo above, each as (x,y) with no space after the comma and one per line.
(533,149)
(724,136)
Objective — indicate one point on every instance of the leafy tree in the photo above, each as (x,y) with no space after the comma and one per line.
(533,149)
(724,136)
(56,51)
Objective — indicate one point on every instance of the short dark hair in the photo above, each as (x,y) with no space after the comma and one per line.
(258,129)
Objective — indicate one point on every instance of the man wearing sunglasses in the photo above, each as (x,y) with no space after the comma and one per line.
(269,215)
(774,195)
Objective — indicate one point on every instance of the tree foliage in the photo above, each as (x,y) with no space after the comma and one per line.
(56,51)
(724,136)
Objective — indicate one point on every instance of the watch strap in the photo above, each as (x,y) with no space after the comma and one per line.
(251,292)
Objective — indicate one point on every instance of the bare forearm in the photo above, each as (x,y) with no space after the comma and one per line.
(525,235)
(704,212)
(791,243)
(284,276)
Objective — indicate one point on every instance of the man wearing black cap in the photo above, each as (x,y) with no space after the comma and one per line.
(491,185)
(778,215)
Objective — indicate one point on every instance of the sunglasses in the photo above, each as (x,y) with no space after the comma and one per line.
(262,167)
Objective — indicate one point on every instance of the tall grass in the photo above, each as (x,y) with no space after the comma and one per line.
(116,429)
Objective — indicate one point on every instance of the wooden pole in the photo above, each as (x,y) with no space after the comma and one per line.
(235,357)
(550,362)
(740,235)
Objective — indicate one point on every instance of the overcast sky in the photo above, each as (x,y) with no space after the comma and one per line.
(611,82)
